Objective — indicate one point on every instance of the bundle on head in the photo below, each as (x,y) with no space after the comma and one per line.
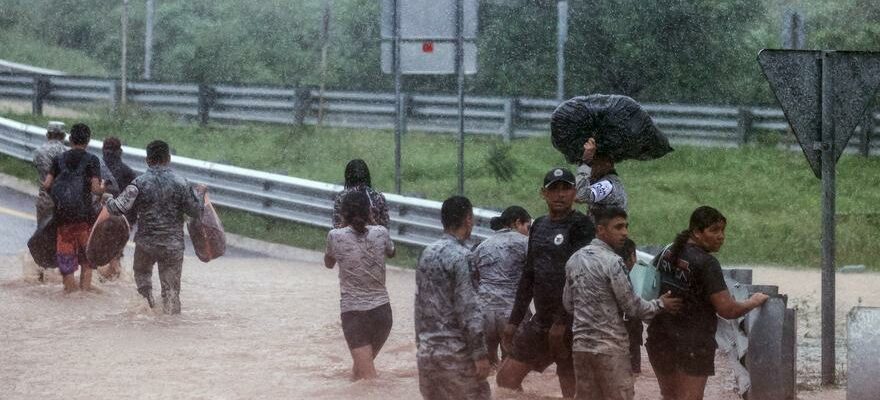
(621,127)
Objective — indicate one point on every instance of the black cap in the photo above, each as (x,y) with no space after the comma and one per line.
(557,175)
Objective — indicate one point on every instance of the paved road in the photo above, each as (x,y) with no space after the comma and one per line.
(18,223)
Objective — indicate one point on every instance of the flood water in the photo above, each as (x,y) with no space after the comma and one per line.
(251,328)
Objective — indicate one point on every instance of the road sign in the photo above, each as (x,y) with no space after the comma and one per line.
(824,95)
(427,36)
(429,57)
(796,78)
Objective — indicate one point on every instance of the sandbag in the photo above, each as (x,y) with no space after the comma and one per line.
(207,234)
(42,244)
(108,238)
(621,127)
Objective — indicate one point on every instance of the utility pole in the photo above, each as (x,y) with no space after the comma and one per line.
(148,41)
(561,38)
(325,38)
(124,64)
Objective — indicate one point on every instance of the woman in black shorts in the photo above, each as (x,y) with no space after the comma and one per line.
(360,250)
(681,347)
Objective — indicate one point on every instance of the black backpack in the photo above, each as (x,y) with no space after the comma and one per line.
(71,193)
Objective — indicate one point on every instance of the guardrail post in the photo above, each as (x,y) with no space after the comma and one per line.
(207,96)
(508,129)
(867,132)
(42,87)
(302,104)
(114,90)
(744,121)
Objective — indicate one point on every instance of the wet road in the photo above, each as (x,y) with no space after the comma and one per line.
(18,223)
(251,327)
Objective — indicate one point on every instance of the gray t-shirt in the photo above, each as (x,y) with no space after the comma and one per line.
(361,261)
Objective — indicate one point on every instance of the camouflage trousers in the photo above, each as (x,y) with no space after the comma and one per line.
(452,381)
(603,376)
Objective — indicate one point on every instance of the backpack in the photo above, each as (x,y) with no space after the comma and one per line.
(672,277)
(70,192)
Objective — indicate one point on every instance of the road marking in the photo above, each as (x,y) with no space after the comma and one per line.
(17,214)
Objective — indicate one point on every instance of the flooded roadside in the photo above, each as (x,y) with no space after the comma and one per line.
(250,328)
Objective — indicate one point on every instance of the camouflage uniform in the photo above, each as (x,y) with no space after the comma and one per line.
(44,156)
(598,292)
(449,324)
(161,199)
(378,208)
(606,191)
(497,264)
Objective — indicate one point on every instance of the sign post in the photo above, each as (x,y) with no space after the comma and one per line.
(824,95)
(429,37)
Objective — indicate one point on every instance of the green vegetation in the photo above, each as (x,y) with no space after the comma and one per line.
(770,196)
(666,50)
(24,49)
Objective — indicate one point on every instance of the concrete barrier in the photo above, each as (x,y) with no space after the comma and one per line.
(863,354)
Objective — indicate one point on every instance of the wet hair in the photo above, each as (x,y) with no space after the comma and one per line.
(507,218)
(702,218)
(627,250)
(454,212)
(112,147)
(80,134)
(158,152)
(357,173)
(604,215)
(356,210)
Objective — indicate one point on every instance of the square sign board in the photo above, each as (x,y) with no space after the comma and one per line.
(427,36)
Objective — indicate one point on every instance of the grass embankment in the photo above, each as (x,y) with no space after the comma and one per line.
(770,197)
(23,49)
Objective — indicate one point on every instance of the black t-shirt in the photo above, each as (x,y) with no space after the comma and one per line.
(70,160)
(551,243)
(695,280)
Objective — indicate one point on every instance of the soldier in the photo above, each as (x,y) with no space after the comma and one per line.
(497,264)
(546,338)
(46,153)
(450,339)
(598,293)
(161,199)
(598,184)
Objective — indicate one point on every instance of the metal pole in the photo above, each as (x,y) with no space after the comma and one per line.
(325,33)
(124,66)
(561,38)
(148,41)
(828,208)
(459,70)
(398,98)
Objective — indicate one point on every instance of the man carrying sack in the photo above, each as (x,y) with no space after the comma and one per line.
(161,199)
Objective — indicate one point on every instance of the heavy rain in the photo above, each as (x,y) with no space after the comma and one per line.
(439,199)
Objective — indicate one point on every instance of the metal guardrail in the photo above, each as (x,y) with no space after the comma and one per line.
(510,118)
(413,221)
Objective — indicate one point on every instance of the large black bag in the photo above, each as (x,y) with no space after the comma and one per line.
(622,129)
(42,243)
(70,192)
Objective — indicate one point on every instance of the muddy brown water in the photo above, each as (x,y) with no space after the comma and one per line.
(259,329)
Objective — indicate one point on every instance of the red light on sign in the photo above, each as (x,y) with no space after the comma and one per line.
(428,47)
